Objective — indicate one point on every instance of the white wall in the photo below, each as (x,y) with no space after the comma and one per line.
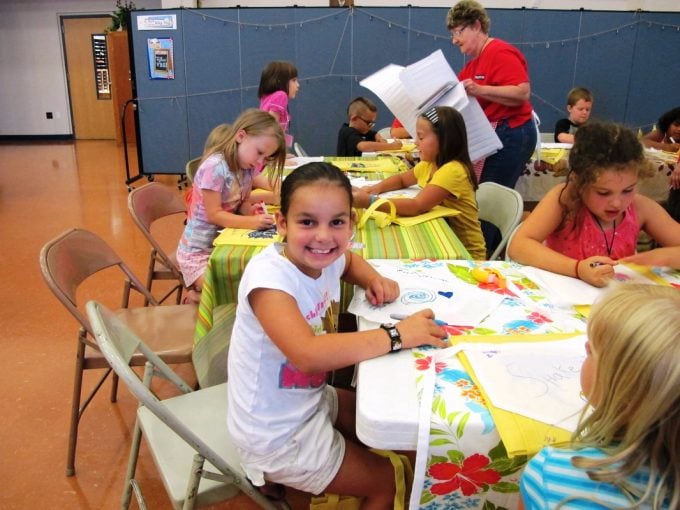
(32,71)
(32,75)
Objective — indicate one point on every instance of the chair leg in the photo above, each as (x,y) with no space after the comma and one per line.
(77,409)
(134,447)
(114,388)
(132,468)
(149,274)
(141,502)
(192,483)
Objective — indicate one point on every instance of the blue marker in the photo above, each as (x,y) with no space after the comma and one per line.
(402,316)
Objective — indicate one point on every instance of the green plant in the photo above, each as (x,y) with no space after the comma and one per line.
(120,15)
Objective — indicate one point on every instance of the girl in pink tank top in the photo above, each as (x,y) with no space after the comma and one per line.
(582,227)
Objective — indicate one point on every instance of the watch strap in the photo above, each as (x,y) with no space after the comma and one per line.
(395,337)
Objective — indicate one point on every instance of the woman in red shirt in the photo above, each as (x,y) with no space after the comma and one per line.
(498,76)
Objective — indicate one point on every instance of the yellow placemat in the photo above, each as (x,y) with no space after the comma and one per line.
(552,156)
(520,435)
(246,237)
(405,147)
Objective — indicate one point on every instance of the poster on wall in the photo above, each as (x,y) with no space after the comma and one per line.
(161,58)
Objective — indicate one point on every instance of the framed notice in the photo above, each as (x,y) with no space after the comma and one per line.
(161,59)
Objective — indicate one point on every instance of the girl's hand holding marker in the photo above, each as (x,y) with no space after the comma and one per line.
(596,271)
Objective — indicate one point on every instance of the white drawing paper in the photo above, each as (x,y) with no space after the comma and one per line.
(540,380)
(453,302)
(567,291)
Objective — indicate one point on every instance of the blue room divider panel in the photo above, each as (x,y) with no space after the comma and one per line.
(623,57)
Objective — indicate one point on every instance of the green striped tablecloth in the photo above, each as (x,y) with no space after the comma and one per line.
(430,240)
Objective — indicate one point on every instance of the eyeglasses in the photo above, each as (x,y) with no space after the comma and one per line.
(457,33)
(369,123)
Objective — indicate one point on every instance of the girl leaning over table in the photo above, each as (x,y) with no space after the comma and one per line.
(445,175)
(583,227)
(221,190)
(288,425)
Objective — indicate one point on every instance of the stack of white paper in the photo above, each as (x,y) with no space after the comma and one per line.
(409,91)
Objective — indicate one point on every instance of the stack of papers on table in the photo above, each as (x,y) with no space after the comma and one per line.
(412,90)
(532,389)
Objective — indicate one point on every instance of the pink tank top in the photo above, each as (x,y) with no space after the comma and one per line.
(588,239)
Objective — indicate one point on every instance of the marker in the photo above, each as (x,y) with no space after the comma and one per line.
(596,264)
(264,208)
(402,316)
(671,139)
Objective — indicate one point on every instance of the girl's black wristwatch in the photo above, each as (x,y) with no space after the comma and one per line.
(395,337)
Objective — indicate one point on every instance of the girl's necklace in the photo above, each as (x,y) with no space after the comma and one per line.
(609,246)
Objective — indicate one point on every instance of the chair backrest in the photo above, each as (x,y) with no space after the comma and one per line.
(71,258)
(118,344)
(385,132)
(512,234)
(501,206)
(191,167)
(299,151)
(150,203)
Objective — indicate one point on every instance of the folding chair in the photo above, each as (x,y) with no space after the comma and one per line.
(507,246)
(191,167)
(385,132)
(78,259)
(502,207)
(182,432)
(149,204)
(299,151)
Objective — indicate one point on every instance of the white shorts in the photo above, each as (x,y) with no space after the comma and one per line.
(312,457)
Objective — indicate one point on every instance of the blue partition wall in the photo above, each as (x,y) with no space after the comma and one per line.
(623,57)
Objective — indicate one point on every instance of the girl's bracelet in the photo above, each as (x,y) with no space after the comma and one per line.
(371,199)
(578,261)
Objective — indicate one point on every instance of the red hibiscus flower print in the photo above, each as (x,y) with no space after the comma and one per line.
(539,318)
(469,477)
(424,364)
(457,330)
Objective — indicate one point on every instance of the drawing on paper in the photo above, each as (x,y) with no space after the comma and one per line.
(417,296)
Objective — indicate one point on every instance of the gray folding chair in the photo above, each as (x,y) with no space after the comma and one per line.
(187,435)
(502,207)
(299,151)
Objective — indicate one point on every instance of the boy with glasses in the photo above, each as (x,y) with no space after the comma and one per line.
(358,135)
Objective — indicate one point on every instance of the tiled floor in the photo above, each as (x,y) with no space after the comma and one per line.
(44,190)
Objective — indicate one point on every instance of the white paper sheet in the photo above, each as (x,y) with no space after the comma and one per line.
(540,380)
(566,291)
(452,301)
(410,192)
(406,90)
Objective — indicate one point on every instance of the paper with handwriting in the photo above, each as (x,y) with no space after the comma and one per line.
(540,380)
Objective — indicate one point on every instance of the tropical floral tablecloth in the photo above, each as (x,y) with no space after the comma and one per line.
(462,462)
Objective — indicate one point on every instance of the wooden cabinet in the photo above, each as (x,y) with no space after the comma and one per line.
(121,84)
